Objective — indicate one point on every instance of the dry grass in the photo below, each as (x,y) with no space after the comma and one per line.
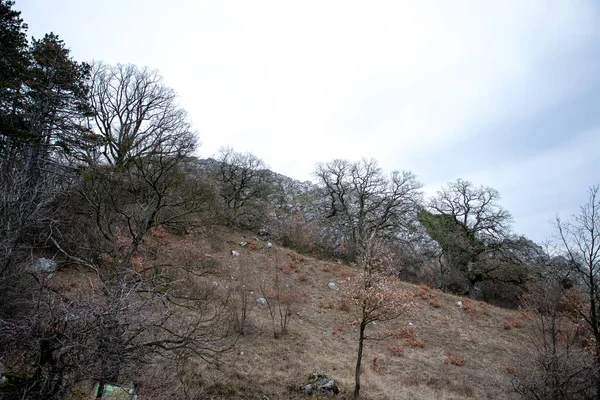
(407,365)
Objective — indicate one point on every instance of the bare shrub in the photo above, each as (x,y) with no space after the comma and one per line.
(396,351)
(281,295)
(454,359)
(557,367)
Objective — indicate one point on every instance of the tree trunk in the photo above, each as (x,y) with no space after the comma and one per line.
(361,339)
(100,389)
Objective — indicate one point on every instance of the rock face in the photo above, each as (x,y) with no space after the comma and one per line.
(320,384)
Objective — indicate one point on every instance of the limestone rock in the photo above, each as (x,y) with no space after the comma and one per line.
(320,384)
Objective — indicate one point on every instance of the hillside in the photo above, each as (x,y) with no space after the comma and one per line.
(320,336)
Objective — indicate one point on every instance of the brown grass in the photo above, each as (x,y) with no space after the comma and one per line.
(320,337)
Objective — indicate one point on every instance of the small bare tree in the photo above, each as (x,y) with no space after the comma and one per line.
(579,239)
(375,299)
(557,367)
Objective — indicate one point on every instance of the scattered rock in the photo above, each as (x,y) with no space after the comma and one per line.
(411,324)
(261,300)
(243,243)
(269,245)
(331,285)
(45,265)
(235,253)
(320,384)
(459,304)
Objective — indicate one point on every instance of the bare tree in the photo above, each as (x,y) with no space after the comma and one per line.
(579,239)
(113,330)
(242,178)
(473,231)
(136,180)
(136,116)
(374,297)
(557,366)
(367,204)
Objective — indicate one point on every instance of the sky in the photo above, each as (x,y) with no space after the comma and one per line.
(505,94)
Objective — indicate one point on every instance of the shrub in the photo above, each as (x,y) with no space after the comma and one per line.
(327,305)
(454,359)
(396,351)
(415,343)
(345,304)
(434,303)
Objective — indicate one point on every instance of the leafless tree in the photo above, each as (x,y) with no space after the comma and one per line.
(136,116)
(243,186)
(476,209)
(113,330)
(579,239)
(135,179)
(473,231)
(374,298)
(367,204)
(556,365)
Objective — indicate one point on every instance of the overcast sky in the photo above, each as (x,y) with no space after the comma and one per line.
(503,93)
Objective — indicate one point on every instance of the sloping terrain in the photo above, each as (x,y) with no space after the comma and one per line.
(417,363)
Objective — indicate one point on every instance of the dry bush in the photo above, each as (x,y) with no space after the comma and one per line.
(510,369)
(281,295)
(454,359)
(240,293)
(345,304)
(474,308)
(289,268)
(435,303)
(407,332)
(423,291)
(375,366)
(346,274)
(415,343)
(327,305)
(302,277)
(340,328)
(512,321)
(295,257)
(556,366)
(396,351)
(325,268)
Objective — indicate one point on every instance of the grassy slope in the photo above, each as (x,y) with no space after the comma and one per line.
(321,338)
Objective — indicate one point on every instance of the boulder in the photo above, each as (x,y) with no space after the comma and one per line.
(45,265)
(320,384)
